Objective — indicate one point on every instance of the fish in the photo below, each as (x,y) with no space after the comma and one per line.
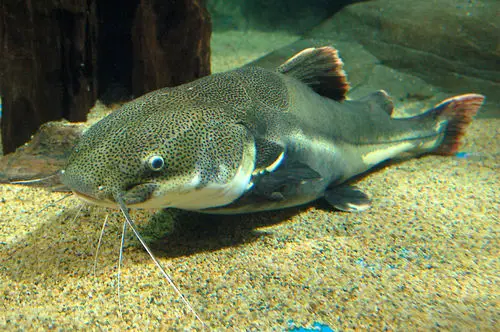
(253,139)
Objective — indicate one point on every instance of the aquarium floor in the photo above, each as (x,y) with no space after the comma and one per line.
(425,256)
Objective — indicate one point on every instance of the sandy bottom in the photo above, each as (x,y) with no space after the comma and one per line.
(425,256)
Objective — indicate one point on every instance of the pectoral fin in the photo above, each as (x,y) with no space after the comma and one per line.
(277,184)
(269,155)
(347,198)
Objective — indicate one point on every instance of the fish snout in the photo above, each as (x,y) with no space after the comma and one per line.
(99,192)
(86,187)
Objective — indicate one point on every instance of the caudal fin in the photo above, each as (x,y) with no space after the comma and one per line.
(458,111)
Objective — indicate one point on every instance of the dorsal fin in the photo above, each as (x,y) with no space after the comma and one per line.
(321,69)
(381,99)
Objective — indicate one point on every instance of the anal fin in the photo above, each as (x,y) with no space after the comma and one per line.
(347,198)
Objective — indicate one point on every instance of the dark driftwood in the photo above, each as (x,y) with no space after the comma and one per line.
(47,65)
(171,42)
(58,56)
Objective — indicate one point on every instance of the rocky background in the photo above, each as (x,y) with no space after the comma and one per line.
(419,51)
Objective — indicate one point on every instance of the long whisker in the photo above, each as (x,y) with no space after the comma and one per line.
(80,208)
(120,260)
(35,180)
(99,242)
(54,203)
(132,225)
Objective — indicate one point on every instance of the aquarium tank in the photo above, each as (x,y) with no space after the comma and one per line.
(252,165)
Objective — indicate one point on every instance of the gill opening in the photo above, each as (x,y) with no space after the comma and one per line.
(132,225)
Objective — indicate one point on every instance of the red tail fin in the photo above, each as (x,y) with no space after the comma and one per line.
(459,111)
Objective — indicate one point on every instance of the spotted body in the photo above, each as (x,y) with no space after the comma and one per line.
(252,139)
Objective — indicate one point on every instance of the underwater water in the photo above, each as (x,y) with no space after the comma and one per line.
(423,257)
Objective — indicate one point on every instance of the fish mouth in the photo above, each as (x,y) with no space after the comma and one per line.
(94,201)
(136,196)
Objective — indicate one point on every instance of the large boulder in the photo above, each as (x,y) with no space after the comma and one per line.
(419,51)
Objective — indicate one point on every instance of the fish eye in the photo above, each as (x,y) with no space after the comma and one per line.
(156,163)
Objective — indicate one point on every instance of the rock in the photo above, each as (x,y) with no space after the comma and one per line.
(44,155)
(418,52)
(47,151)
(451,44)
